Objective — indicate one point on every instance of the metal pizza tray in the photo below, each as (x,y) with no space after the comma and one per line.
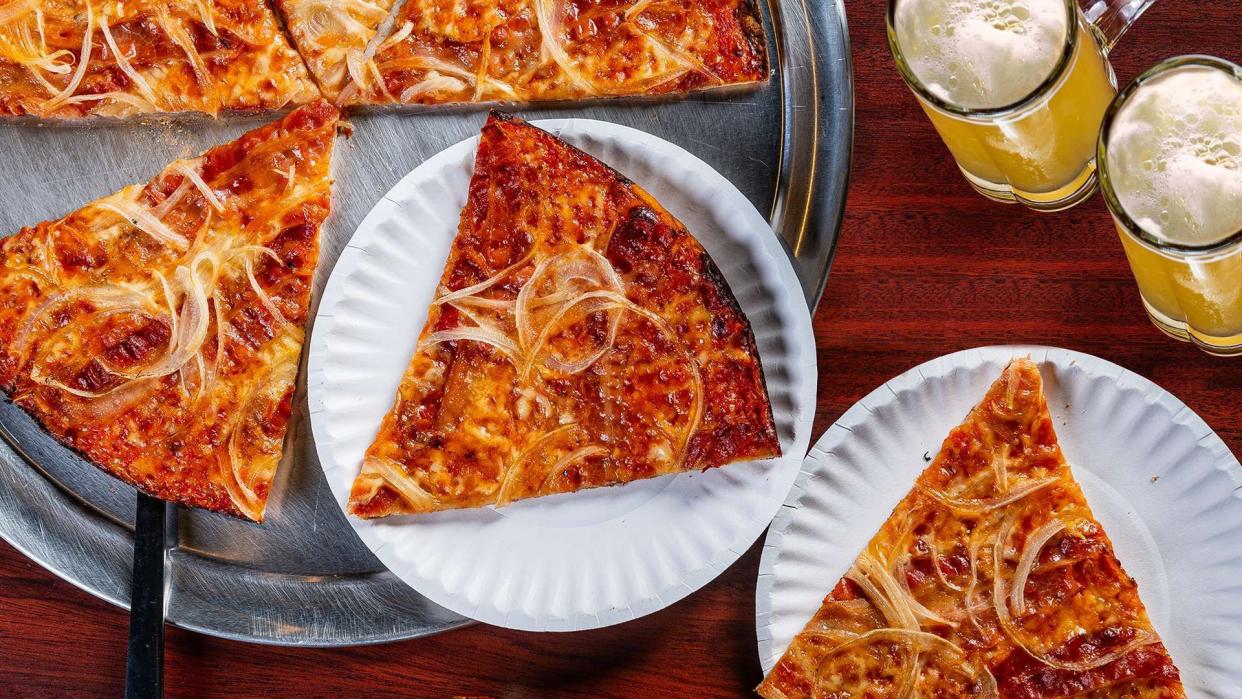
(304,578)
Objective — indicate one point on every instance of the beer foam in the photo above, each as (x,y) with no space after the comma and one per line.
(1175,155)
(981,54)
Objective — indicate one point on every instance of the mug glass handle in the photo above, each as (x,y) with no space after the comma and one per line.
(1113,17)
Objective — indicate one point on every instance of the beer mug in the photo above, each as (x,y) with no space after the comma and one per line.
(1016,88)
(1170,157)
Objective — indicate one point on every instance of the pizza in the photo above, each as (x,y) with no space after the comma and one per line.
(158,331)
(580,337)
(333,36)
(991,578)
(526,50)
(76,58)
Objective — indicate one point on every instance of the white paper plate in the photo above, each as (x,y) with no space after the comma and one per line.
(572,561)
(1179,535)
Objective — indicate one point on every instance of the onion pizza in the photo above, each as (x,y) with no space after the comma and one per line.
(580,337)
(158,331)
(991,578)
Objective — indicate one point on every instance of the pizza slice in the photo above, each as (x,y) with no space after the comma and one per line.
(991,578)
(333,36)
(580,337)
(525,50)
(77,58)
(157,331)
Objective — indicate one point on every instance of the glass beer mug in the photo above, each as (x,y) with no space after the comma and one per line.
(1170,155)
(1017,89)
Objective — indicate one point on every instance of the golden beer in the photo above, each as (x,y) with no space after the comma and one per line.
(1170,157)
(1017,90)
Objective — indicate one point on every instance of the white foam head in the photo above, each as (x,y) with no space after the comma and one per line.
(1175,155)
(981,54)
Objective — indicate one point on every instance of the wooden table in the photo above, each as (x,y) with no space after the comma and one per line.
(925,267)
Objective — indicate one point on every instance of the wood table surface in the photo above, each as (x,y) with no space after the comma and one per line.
(925,267)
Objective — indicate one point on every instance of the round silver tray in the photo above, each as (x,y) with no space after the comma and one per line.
(304,578)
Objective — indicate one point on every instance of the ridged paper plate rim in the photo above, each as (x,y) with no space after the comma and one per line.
(576,561)
(1165,487)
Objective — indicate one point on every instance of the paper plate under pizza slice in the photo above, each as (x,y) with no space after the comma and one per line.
(611,374)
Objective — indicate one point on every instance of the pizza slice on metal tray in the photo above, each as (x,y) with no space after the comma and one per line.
(157,331)
(68,59)
(527,50)
(580,337)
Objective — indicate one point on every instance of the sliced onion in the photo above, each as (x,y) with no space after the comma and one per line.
(478,302)
(117,401)
(487,336)
(944,580)
(188,170)
(1000,467)
(514,472)
(1142,637)
(205,14)
(397,37)
(684,61)
(573,456)
(290,175)
(395,476)
(101,297)
(434,82)
(84,58)
(637,9)
(192,326)
(547,21)
(596,300)
(161,209)
(177,33)
(143,219)
(980,506)
(1035,543)
(263,297)
(475,289)
(883,591)
(136,103)
(920,610)
(123,63)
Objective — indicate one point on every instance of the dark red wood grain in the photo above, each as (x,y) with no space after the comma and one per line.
(925,267)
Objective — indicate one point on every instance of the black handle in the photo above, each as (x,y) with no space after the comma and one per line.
(144,664)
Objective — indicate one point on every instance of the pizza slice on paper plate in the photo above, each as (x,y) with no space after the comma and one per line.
(580,337)
(991,578)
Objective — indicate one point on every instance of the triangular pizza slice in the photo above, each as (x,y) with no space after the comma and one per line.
(157,331)
(527,50)
(580,337)
(991,578)
(77,58)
